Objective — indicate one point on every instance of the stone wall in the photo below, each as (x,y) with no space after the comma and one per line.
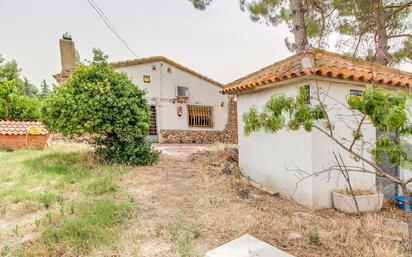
(17,142)
(228,136)
(232,123)
(193,136)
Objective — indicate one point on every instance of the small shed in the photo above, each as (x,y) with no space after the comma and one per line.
(279,161)
(16,135)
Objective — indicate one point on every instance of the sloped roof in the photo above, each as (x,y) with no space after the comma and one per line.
(19,127)
(166,60)
(321,63)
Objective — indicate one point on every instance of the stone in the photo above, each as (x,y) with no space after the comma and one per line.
(247,246)
(392,238)
(294,236)
(303,215)
(396,225)
(230,168)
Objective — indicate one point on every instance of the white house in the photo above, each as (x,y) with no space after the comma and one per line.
(278,161)
(186,105)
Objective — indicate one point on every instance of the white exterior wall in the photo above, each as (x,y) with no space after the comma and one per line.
(162,92)
(268,158)
(272,159)
(323,147)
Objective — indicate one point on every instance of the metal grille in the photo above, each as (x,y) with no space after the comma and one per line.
(200,116)
(153,123)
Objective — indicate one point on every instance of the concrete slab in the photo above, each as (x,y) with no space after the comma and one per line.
(247,246)
(181,151)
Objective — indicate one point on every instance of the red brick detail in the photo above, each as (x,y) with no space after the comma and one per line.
(232,121)
(17,142)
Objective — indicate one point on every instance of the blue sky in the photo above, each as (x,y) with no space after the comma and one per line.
(221,42)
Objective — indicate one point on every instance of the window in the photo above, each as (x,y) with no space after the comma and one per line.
(182,91)
(356,92)
(146,78)
(200,116)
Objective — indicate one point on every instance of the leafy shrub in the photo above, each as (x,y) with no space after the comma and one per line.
(100,101)
(14,105)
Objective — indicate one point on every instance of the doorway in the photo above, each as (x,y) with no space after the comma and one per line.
(153,135)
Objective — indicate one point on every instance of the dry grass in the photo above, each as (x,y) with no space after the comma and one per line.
(226,207)
(178,208)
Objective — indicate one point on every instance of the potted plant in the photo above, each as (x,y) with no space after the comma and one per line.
(366,201)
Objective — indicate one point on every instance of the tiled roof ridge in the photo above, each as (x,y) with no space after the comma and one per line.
(9,127)
(325,64)
(160,58)
(358,60)
(265,68)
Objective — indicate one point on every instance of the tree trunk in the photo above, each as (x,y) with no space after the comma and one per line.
(381,36)
(298,24)
(406,195)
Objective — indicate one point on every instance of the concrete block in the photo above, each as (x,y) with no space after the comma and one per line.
(247,246)
(366,203)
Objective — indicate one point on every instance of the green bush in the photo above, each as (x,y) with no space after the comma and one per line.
(100,101)
(14,105)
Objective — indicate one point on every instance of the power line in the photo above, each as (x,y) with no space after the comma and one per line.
(106,21)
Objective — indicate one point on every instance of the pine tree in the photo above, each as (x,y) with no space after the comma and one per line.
(44,89)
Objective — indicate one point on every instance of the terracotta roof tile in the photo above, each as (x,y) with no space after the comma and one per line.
(322,63)
(19,127)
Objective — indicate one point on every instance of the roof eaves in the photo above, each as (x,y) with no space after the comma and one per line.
(166,60)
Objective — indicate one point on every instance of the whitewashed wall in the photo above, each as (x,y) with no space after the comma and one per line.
(162,90)
(272,159)
(323,147)
(268,158)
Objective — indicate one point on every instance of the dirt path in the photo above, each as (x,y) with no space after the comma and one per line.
(187,189)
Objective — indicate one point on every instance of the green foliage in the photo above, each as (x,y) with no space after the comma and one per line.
(275,12)
(100,101)
(181,233)
(93,224)
(10,71)
(44,89)
(47,199)
(15,106)
(272,118)
(357,22)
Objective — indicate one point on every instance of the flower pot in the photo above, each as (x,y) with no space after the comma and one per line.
(366,203)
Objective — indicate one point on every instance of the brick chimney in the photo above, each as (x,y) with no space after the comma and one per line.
(67,53)
(68,57)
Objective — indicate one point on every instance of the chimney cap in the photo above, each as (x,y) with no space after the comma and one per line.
(67,36)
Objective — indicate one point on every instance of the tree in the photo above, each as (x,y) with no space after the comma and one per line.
(11,71)
(383,25)
(98,100)
(387,111)
(14,105)
(308,20)
(44,89)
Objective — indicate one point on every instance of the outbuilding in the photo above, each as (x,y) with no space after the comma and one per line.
(16,135)
(278,160)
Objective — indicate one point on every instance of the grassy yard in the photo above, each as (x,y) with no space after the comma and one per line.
(59,202)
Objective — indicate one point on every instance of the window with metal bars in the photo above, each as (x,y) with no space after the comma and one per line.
(200,116)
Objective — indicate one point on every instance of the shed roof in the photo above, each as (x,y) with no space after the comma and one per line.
(166,60)
(19,127)
(322,63)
